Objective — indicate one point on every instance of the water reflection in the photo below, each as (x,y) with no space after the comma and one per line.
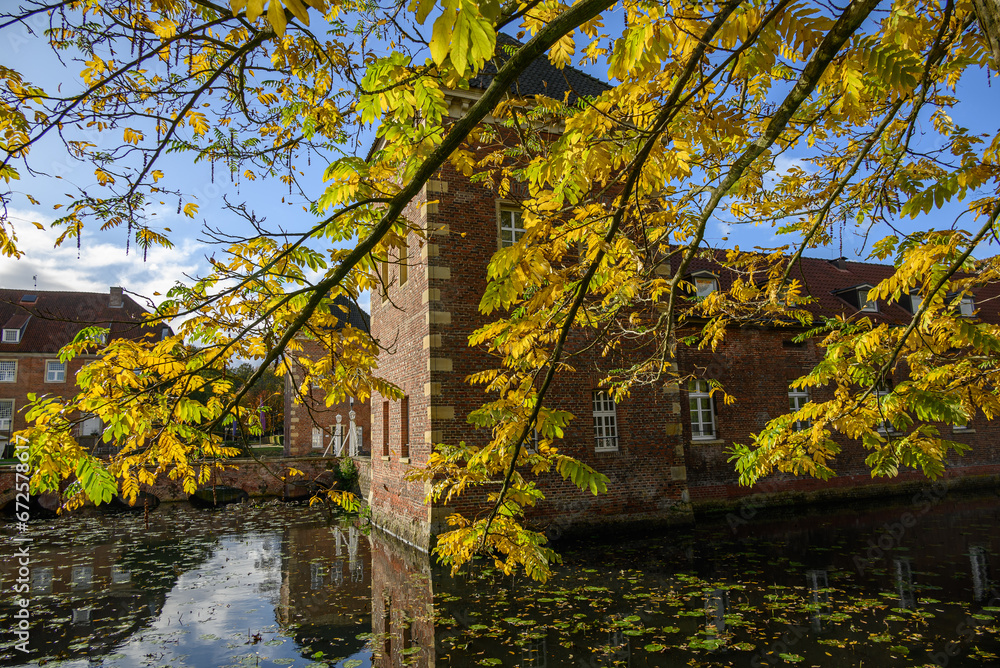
(278,585)
(980,565)
(904,583)
(819,591)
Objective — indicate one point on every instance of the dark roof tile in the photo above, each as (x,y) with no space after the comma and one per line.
(540,77)
(55,318)
(823,280)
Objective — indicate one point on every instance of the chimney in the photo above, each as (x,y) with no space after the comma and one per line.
(116,299)
(839,263)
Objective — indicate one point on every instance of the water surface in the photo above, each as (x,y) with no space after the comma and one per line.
(907,583)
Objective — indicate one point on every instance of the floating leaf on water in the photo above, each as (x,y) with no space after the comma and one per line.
(654,647)
(793,658)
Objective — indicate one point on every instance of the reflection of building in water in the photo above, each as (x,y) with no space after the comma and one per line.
(315,589)
(716,604)
(904,583)
(86,602)
(402,604)
(618,652)
(533,651)
(980,565)
(819,589)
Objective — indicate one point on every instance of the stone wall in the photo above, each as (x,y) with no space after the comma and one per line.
(257,478)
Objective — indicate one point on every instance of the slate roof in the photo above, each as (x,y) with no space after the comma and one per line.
(540,77)
(54,318)
(823,279)
(355,316)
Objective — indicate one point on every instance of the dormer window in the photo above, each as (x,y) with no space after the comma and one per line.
(869,305)
(13,329)
(704,284)
(966,308)
(915,302)
(859,296)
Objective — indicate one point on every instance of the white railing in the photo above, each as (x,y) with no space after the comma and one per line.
(341,439)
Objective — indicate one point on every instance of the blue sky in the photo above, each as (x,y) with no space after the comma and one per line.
(102,260)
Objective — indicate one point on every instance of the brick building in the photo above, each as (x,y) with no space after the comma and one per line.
(664,449)
(309,423)
(430,307)
(756,363)
(36,324)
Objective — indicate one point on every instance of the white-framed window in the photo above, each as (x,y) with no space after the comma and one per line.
(967,306)
(704,286)
(82,577)
(11,336)
(797,398)
(605,422)
(8,371)
(55,371)
(91,426)
(702,410)
(916,301)
(868,305)
(317,438)
(511,226)
(6,417)
(41,580)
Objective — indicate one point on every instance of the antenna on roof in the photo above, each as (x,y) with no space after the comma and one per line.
(35,278)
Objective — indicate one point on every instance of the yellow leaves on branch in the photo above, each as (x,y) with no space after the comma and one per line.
(276,11)
(462,34)
(198,122)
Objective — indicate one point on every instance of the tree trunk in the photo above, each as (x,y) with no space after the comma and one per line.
(988,13)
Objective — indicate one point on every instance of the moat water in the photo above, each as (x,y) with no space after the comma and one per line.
(907,582)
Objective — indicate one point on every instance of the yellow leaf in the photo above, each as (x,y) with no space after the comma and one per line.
(254,9)
(276,17)
(190,209)
(298,10)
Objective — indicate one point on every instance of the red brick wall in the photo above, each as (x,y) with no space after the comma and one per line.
(399,324)
(402,579)
(31,379)
(303,414)
(755,366)
(647,476)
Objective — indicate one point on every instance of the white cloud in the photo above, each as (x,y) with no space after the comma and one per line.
(100,262)
(783,164)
